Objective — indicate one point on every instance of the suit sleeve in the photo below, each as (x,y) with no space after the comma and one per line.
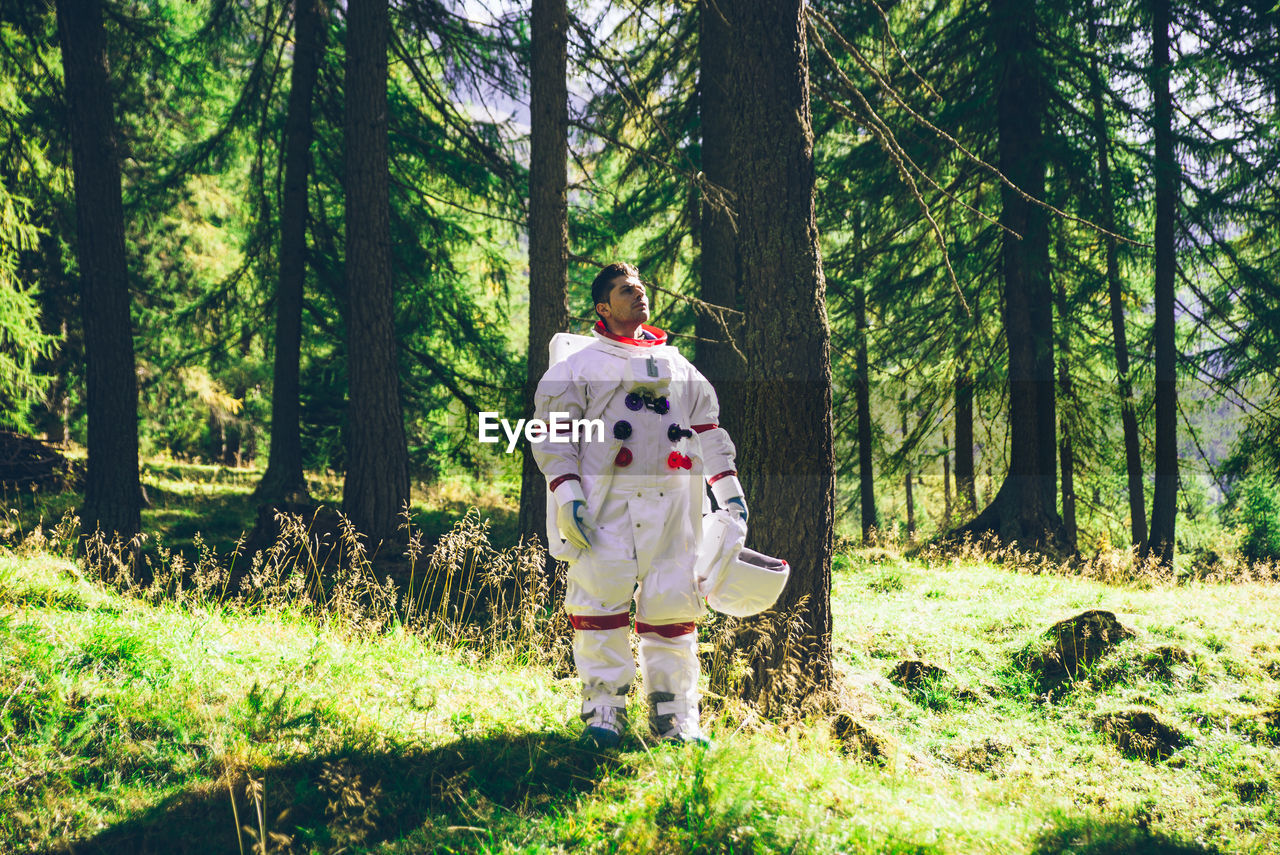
(718,452)
(560,392)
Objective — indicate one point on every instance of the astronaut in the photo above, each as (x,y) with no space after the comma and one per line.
(626,512)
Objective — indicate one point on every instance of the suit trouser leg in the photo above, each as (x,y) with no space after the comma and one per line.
(669,668)
(667,606)
(598,600)
(604,662)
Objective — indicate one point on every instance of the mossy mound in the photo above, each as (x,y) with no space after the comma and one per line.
(1140,734)
(855,737)
(1075,644)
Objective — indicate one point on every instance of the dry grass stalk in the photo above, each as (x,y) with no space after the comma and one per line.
(462,592)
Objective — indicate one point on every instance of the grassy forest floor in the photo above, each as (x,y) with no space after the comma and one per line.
(179,719)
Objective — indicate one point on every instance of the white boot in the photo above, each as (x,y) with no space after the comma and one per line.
(605,725)
(606,668)
(670,670)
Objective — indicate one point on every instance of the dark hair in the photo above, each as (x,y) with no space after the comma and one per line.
(603,283)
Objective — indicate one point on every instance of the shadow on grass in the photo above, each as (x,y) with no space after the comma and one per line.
(434,523)
(1097,836)
(219,518)
(455,796)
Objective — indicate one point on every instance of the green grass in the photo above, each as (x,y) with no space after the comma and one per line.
(127,726)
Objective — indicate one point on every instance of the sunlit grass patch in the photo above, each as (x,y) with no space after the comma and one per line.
(1201,662)
(139,698)
(332,722)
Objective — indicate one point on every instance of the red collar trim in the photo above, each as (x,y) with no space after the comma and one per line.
(659,337)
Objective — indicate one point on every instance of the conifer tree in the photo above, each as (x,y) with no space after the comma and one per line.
(113,493)
(1167,182)
(1107,219)
(1025,507)
(785,449)
(866,477)
(719,332)
(284,476)
(548,224)
(376,488)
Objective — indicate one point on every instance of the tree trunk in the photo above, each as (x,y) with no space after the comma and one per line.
(909,476)
(966,472)
(1025,507)
(946,482)
(1066,455)
(376,489)
(966,491)
(113,493)
(785,452)
(284,476)
(718,259)
(548,227)
(866,479)
(57,410)
(1167,179)
(1107,219)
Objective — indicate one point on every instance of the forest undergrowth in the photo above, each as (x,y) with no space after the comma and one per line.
(152,701)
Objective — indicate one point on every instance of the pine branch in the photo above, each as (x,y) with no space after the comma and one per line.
(897,156)
(956,144)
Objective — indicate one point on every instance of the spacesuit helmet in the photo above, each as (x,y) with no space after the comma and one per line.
(735,580)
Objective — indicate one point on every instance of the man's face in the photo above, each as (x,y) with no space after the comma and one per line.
(628,302)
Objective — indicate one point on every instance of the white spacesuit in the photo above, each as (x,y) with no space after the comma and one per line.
(644,495)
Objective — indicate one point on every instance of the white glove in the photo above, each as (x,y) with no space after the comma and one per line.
(575,524)
(729,496)
(572,518)
(738,507)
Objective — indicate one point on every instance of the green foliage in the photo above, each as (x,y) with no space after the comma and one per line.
(23,342)
(887,581)
(1255,507)
(22,345)
(201,91)
(639,149)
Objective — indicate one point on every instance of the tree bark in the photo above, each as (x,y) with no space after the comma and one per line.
(946,482)
(966,491)
(376,489)
(284,476)
(717,332)
(1167,180)
(1107,219)
(1025,507)
(866,479)
(113,493)
(548,227)
(1067,458)
(965,469)
(909,476)
(785,452)
(1066,454)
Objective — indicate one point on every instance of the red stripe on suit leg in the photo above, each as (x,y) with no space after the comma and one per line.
(668,630)
(617,621)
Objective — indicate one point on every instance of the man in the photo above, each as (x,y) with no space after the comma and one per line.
(626,512)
